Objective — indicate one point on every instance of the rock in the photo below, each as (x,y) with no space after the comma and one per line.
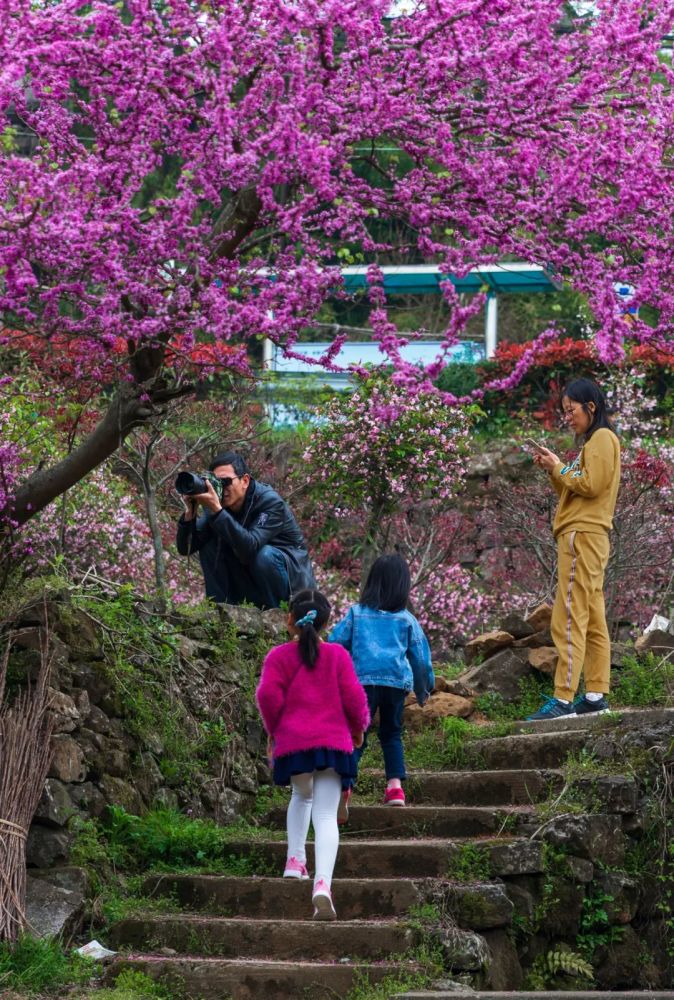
(517,626)
(615,793)
(166,798)
(112,760)
(619,650)
(505,971)
(463,951)
(622,907)
(486,644)
(540,618)
(564,911)
(521,896)
(457,687)
(45,846)
(620,965)
(544,659)
(64,711)
(657,642)
(68,760)
(118,792)
(275,624)
(500,673)
(97,720)
(478,907)
(248,621)
(580,869)
(55,902)
(535,641)
(223,803)
(597,837)
(88,798)
(55,806)
(82,703)
(440,706)
(519,857)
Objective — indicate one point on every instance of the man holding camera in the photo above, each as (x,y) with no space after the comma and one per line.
(249,544)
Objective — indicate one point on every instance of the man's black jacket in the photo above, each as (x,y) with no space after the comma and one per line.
(264,519)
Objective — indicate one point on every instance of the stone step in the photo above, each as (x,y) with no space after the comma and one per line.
(425,821)
(427,858)
(481,788)
(246,937)
(623,718)
(547,749)
(474,906)
(286,897)
(223,979)
(539,995)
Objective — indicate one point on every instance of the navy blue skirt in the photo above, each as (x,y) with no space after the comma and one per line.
(308,761)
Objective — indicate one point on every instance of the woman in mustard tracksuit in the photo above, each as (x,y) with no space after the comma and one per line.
(587,490)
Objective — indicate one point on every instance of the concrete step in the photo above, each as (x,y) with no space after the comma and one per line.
(541,995)
(547,749)
(623,718)
(425,821)
(475,906)
(286,897)
(246,937)
(480,788)
(223,979)
(427,858)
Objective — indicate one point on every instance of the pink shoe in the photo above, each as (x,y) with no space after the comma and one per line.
(394,797)
(295,869)
(322,900)
(343,807)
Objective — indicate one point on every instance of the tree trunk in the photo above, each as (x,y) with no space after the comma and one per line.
(157,543)
(372,535)
(125,412)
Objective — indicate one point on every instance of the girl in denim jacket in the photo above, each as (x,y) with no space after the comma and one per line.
(392,657)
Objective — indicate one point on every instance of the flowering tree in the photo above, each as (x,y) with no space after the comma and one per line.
(178,173)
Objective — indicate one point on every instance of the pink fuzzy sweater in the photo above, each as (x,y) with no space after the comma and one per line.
(305,708)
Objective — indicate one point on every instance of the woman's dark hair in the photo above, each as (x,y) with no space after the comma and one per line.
(585,391)
(388,584)
(237,462)
(301,604)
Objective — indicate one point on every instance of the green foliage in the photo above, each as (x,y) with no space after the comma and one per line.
(363,989)
(559,968)
(470,864)
(133,985)
(595,926)
(643,681)
(36,964)
(164,838)
(532,691)
(459,378)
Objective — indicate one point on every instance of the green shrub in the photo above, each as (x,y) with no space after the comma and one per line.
(36,964)
(133,985)
(644,681)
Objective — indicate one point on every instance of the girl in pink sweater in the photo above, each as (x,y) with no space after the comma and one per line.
(315,712)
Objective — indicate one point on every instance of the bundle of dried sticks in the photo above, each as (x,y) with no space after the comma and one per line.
(25,755)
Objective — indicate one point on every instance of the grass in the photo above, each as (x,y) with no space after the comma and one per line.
(533,691)
(37,964)
(131,985)
(644,681)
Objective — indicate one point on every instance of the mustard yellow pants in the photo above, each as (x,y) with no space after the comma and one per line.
(578,625)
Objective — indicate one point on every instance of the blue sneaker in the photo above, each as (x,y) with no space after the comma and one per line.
(553,709)
(583,706)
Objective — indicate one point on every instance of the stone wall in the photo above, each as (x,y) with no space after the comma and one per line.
(149,709)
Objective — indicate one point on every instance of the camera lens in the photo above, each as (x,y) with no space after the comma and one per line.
(189,484)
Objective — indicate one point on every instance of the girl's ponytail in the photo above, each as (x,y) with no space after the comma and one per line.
(310,611)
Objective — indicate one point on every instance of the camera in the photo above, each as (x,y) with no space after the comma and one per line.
(189,484)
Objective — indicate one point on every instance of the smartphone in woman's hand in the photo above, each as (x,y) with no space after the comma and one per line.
(530,443)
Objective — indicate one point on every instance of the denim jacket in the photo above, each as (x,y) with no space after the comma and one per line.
(388,648)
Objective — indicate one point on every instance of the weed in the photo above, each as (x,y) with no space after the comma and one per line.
(644,681)
(559,968)
(470,864)
(133,985)
(363,989)
(532,691)
(595,927)
(36,964)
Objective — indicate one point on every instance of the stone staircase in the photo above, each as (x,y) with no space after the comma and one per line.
(252,938)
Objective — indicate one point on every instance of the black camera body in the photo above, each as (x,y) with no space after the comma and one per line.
(190,484)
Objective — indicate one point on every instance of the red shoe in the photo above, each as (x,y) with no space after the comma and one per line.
(394,797)
(343,807)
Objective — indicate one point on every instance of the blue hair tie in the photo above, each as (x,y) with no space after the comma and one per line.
(308,619)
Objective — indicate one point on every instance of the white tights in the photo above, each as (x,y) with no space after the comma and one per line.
(315,797)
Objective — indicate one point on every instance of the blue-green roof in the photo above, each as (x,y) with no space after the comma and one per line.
(415,279)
